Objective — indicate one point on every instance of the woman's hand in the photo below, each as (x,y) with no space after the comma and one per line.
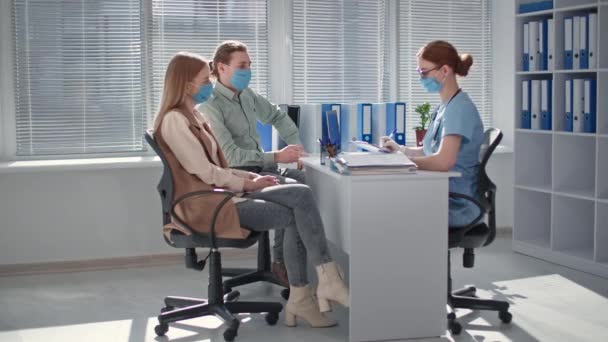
(259,183)
(389,144)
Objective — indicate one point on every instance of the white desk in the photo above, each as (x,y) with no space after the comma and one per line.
(395,230)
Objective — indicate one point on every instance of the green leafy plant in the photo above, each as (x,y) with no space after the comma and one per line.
(424,110)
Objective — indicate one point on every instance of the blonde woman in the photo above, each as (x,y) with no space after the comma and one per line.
(197,162)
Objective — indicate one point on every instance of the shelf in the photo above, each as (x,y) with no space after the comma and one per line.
(573,134)
(533,131)
(602,168)
(601,232)
(545,189)
(543,13)
(542,72)
(601,118)
(574,165)
(580,194)
(533,219)
(574,6)
(603,37)
(573,225)
(533,160)
(576,71)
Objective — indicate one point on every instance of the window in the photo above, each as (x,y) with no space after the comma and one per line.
(78,77)
(339,51)
(464,23)
(199,26)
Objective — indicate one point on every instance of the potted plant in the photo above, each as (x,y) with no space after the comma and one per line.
(424,111)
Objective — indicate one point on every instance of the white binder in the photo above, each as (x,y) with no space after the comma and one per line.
(526,47)
(576,45)
(592,40)
(541,48)
(310,127)
(535,110)
(578,105)
(378,128)
(568,43)
(550,45)
(533,45)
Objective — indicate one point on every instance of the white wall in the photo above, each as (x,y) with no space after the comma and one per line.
(86,214)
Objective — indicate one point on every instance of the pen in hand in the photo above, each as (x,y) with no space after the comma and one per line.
(393,133)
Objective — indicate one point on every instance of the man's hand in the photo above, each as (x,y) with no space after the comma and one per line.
(259,183)
(289,154)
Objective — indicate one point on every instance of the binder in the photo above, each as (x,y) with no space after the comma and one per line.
(310,127)
(542,45)
(535,6)
(568,107)
(395,120)
(592,42)
(550,45)
(327,107)
(525,104)
(546,105)
(333,127)
(578,105)
(568,43)
(378,121)
(294,114)
(265,133)
(533,48)
(576,42)
(535,107)
(590,106)
(584,43)
(364,122)
(526,51)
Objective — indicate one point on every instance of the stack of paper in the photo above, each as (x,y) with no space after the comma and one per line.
(374,163)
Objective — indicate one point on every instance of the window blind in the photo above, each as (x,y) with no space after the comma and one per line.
(339,51)
(78,76)
(199,26)
(464,23)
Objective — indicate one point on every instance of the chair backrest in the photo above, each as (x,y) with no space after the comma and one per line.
(486,189)
(165,185)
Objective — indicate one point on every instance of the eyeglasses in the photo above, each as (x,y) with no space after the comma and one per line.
(423,72)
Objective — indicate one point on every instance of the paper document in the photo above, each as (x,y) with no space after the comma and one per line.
(369,147)
(366,159)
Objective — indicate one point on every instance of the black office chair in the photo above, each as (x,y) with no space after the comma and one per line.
(476,235)
(219,303)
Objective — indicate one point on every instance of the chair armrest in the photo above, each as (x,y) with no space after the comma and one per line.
(478,204)
(202,193)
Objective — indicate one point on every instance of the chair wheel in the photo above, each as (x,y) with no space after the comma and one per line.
(231,296)
(166,309)
(285,294)
(454,327)
(230,334)
(161,329)
(505,316)
(272,318)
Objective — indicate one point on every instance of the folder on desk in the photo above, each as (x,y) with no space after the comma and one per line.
(576,42)
(325,108)
(526,47)
(525,104)
(542,44)
(545,104)
(535,107)
(533,48)
(592,42)
(590,105)
(568,107)
(584,43)
(265,133)
(578,105)
(550,45)
(568,43)
(364,122)
(395,120)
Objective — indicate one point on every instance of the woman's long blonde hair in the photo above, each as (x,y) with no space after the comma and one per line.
(182,69)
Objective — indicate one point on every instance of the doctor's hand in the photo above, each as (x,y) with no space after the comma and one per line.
(259,183)
(389,144)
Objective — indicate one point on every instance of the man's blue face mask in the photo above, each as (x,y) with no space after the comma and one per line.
(240,78)
(203,93)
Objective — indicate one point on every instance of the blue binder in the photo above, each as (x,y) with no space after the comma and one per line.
(546,105)
(395,120)
(590,105)
(568,123)
(265,132)
(526,93)
(326,107)
(535,6)
(364,122)
(544,61)
(568,32)
(526,48)
(584,42)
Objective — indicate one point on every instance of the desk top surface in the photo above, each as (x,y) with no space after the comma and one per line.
(314,163)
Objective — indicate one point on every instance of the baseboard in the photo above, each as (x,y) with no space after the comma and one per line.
(116,263)
(504,231)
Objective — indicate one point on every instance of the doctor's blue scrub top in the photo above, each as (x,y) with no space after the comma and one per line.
(459,117)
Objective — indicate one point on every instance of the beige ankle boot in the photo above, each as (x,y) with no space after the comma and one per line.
(301,304)
(331,286)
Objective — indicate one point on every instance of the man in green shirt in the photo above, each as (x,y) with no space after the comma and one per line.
(232,111)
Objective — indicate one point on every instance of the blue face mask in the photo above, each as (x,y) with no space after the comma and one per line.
(430,84)
(240,79)
(203,93)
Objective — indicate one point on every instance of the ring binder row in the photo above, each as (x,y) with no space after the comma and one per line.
(580,42)
(538,45)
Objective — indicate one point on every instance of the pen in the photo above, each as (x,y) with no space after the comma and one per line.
(392,135)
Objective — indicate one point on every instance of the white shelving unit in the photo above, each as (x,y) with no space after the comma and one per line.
(561,178)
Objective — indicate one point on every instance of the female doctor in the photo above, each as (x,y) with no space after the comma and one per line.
(455,135)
